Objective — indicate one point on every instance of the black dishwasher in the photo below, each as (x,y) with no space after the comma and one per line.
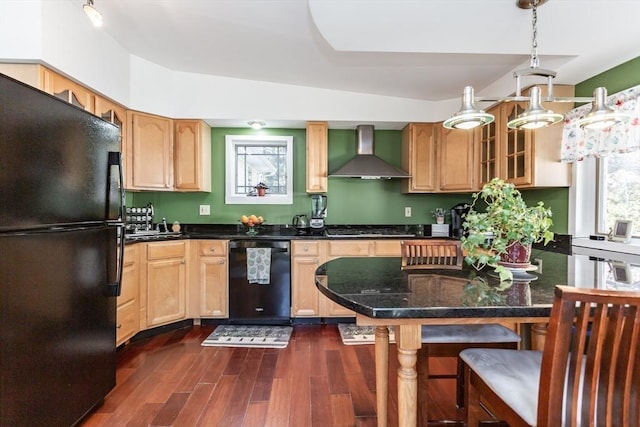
(254,303)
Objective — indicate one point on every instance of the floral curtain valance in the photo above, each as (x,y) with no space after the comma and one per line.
(578,144)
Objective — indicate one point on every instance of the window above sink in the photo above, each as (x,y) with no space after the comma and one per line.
(258,159)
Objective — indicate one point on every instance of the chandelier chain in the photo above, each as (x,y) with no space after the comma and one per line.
(535,61)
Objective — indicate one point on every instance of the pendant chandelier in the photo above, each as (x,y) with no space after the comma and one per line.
(535,116)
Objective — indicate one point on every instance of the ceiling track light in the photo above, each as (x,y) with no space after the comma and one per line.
(94,16)
(535,116)
(257,125)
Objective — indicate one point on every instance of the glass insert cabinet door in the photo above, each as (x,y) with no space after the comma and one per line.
(518,148)
(258,169)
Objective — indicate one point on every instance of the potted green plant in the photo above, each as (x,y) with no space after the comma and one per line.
(439,214)
(261,188)
(502,234)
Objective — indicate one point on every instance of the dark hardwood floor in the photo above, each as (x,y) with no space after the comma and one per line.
(171,380)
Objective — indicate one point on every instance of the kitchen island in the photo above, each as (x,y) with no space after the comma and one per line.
(382,294)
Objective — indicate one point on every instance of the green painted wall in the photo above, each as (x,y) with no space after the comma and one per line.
(621,77)
(354,201)
(350,201)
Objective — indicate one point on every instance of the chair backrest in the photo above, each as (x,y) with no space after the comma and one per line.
(431,253)
(591,360)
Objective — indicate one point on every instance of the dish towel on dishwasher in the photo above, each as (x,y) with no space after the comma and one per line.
(258,265)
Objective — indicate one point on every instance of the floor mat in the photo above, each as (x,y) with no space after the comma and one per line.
(249,336)
(352,334)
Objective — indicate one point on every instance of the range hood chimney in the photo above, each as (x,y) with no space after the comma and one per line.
(365,164)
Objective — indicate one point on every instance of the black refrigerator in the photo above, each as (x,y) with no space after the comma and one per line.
(61,203)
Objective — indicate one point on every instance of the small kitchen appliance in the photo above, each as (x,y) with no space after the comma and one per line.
(318,211)
(301,224)
(457,218)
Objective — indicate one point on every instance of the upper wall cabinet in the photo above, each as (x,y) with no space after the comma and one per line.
(113,113)
(317,157)
(149,152)
(68,90)
(456,150)
(419,158)
(192,155)
(166,155)
(526,158)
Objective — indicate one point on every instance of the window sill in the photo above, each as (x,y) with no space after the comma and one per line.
(632,247)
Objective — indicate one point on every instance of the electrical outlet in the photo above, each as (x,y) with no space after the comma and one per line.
(205,209)
(407,211)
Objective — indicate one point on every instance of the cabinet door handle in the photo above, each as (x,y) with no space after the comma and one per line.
(221,261)
(212,249)
(119,325)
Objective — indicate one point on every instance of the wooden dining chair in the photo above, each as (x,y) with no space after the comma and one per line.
(587,375)
(431,253)
(448,340)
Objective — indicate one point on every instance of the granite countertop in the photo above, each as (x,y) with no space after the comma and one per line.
(278,232)
(378,288)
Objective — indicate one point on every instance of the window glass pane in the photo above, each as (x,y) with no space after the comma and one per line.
(252,160)
(619,194)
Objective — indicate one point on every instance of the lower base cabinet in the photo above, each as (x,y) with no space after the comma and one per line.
(213,278)
(127,320)
(308,255)
(166,282)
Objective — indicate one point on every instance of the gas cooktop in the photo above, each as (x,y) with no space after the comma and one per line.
(367,231)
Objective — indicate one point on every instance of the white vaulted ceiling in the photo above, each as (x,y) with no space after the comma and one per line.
(422,49)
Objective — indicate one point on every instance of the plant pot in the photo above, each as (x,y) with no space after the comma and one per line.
(261,191)
(516,256)
(439,220)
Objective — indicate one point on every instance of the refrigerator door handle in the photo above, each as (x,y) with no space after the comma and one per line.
(115,159)
(114,288)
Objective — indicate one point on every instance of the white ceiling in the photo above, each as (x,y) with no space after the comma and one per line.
(420,49)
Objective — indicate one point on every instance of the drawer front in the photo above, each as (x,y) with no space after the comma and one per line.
(311,248)
(166,250)
(127,318)
(386,247)
(130,254)
(212,247)
(349,248)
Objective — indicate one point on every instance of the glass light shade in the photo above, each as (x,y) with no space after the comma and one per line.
(601,116)
(94,16)
(256,125)
(535,116)
(469,116)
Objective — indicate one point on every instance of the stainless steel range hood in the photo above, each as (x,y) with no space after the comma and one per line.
(366,165)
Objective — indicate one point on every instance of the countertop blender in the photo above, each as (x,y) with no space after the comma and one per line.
(318,212)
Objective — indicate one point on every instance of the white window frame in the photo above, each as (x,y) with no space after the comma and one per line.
(583,210)
(233,198)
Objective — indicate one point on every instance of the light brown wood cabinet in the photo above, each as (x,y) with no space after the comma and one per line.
(165,283)
(192,155)
(317,157)
(526,158)
(456,151)
(419,158)
(306,257)
(149,152)
(68,90)
(127,312)
(213,278)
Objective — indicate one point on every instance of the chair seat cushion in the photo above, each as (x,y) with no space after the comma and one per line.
(482,333)
(513,375)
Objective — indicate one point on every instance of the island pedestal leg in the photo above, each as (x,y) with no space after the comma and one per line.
(408,341)
(382,373)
